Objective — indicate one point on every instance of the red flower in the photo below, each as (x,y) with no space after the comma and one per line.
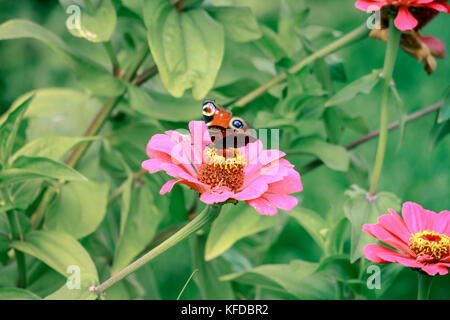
(422,238)
(410,13)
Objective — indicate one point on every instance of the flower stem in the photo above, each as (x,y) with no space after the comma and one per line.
(425,282)
(112,56)
(389,63)
(206,216)
(349,38)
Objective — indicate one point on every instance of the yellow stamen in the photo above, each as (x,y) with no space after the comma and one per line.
(230,161)
(430,243)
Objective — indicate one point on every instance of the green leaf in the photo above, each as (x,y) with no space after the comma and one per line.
(140,228)
(60,251)
(333,124)
(207,277)
(364,84)
(187,47)
(17,294)
(234,223)
(362,208)
(338,267)
(444,113)
(334,157)
(439,132)
(358,171)
(35,167)
(91,75)
(356,123)
(403,114)
(162,106)
(291,16)
(97,26)
(312,222)
(51,147)
(9,127)
(58,112)
(239,23)
(299,278)
(271,44)
(389,273)
(336,237)
(79,209)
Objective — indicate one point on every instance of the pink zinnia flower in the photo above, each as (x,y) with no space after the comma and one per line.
(407,10)
(262,178)
(421,236)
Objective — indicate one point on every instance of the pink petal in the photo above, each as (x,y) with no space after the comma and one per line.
(434,268)
(395,224)
(167,187)
(252,191)
(263,206)
(216,196)
(405,20)
(438,7)
(377,231)
(434,44)
(290,184)
(199,132)
(284,202)
(415,217)
(380,254)
(442,222)
(163,146)
(366,5)
(153,165)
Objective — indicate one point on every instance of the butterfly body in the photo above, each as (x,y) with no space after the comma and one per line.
(225,130)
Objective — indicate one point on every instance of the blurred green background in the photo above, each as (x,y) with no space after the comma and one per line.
(414,171)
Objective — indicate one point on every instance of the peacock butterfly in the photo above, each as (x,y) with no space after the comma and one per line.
(225,130)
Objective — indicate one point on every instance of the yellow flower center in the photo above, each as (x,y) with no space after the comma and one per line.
(223,168)
(430,243)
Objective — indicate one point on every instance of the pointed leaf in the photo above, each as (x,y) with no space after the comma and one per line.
(234,223)
(364,84)
(35,167)
(97,26)
(362,208)
(51,147)
(89,74)
(239,23)
(79,208)
(187,47)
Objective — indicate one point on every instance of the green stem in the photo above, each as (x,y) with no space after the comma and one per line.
(16,233)
(206,216)
(425,282)
(349,38)
(112,56)
(389,63)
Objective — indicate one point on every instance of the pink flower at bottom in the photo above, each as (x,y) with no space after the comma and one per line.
(407,17)
(261,178)
(422,238)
